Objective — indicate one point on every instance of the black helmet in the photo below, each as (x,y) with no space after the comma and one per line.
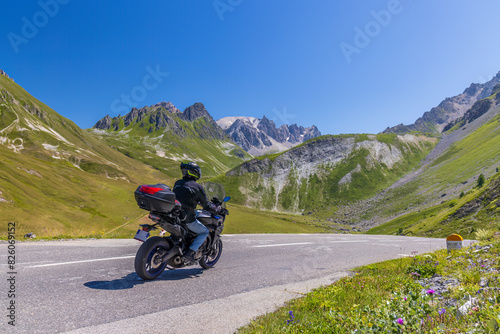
(191,170)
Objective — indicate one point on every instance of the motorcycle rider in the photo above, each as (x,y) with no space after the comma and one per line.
(190,194)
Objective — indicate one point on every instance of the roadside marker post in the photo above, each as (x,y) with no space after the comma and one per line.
(454,242)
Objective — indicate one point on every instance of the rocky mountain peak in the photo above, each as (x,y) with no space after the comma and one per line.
(103,124)
(194,112)
(261,136)
(473,89)
(269,128)
(207,128)
(488,87)
(168,106)
(135,116)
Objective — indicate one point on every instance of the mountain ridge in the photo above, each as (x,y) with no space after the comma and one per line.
(161,136)
(450,109)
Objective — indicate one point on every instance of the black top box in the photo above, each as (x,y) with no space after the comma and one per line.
(155,198)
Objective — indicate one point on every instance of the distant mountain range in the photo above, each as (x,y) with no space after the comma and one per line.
(255,136)
(449,110)
(261,136)
(161,136)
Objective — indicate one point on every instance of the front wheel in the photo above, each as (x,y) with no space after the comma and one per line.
(148,260)
(208,260)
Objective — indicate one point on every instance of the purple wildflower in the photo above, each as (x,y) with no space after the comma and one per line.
(430,292)
(292,318)
(401,321)
(442,311)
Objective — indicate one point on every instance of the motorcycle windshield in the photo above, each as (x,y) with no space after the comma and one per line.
(214,190)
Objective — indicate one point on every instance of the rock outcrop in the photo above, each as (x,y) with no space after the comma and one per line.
(5,74)
(104,123)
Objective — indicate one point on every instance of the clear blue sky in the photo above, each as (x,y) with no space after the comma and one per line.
(287,60)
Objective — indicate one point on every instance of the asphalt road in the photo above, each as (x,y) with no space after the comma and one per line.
(89,286)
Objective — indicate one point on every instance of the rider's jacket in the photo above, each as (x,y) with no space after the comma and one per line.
(190,194)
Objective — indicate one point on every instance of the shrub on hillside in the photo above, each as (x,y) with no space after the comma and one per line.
(480,181)
(484,234)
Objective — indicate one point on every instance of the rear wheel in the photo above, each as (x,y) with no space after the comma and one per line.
(148,263)
(208,260)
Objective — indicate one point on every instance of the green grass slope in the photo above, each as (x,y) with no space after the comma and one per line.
(56,179)
(242,219)
(476,210)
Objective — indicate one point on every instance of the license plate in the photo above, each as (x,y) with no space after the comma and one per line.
(141,235)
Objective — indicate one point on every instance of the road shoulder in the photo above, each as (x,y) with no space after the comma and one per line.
(224,315)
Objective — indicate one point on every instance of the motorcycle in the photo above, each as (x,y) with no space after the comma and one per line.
(166,252)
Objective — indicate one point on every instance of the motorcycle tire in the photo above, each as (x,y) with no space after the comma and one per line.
(208,260)
(147,263)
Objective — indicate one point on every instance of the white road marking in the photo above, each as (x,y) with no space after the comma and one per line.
(83,261)
(404,255)
(347,241)
(279,245)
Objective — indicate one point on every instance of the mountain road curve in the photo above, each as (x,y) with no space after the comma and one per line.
(90,286)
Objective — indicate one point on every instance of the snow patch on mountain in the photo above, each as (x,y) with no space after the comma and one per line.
(226,122)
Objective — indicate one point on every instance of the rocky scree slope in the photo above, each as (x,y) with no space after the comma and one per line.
(477,110)
(261,136)
(325,171)
(161,137)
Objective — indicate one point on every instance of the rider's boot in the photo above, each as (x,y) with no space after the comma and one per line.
(190,255)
